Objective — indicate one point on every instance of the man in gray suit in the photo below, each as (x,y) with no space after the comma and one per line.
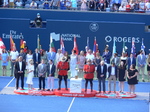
(115,59)
(42,69)
(141,62)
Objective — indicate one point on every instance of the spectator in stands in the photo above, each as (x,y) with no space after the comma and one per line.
(5,3)
(55,4)
(38,21)
(101,5)
(136,6)
(122,8)
(62,4)
(46,5)
(142,6)
(132,4)
(74,4)
(141,62)
(147,6)
(18,4)
(33,4)
(11,3)
(4,60)
(116,4)
(83,5)
(68,4)
(132,78)
(91,5)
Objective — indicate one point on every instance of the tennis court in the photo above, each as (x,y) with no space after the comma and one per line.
(11,102)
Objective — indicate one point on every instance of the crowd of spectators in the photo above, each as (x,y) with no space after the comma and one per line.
(86,5)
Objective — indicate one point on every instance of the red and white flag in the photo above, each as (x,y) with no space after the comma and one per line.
(2,46)
(75,46)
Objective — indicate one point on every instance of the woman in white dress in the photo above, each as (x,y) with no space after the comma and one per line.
(29,56)
(83,5)
(30,74)
(73,63)
(147,6)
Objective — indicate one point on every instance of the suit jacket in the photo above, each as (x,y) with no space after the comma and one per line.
(117,61)
(42,70)
(129,62)
(141,61)
(99,72)
(34,58)
(17,67)
(51,56)
(52,70)
(107,57)
(109,71)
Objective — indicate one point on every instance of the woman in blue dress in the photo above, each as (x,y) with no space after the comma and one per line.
(4,61)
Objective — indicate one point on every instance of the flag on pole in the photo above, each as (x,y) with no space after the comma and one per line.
(123,48)
(38,42)
(114,47)
(12,44)
(52,47)
(22,44)
(2,46)
(62,47)
(75,46)
(94,47)
(142,46)
(87,45)
(133,46)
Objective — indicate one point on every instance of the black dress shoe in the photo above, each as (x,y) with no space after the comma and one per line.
(39,89)
(143,80)
(59,88)
(85,90)
(67,89)
(52,90)
(48,89)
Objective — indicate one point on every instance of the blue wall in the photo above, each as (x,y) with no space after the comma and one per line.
(104,26)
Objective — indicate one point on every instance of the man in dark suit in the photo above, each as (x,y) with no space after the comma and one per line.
(131,60)
(112,70)
(36,60)
(101,75)
(20,71)
(50,75)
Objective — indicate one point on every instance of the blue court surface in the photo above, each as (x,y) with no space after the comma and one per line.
(27,103)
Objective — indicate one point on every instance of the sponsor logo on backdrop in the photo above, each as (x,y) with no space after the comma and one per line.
(66,37)
(121,39)
(15,35)
(94,27)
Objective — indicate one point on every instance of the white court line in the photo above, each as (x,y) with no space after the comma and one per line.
(9,82)
(71,104)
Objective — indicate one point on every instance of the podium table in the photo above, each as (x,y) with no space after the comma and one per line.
(75,85)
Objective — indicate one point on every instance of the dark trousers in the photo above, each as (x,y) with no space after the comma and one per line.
(91,83)
(101,80)
(35,70)
(41,79)
(18,75)
(60,79)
